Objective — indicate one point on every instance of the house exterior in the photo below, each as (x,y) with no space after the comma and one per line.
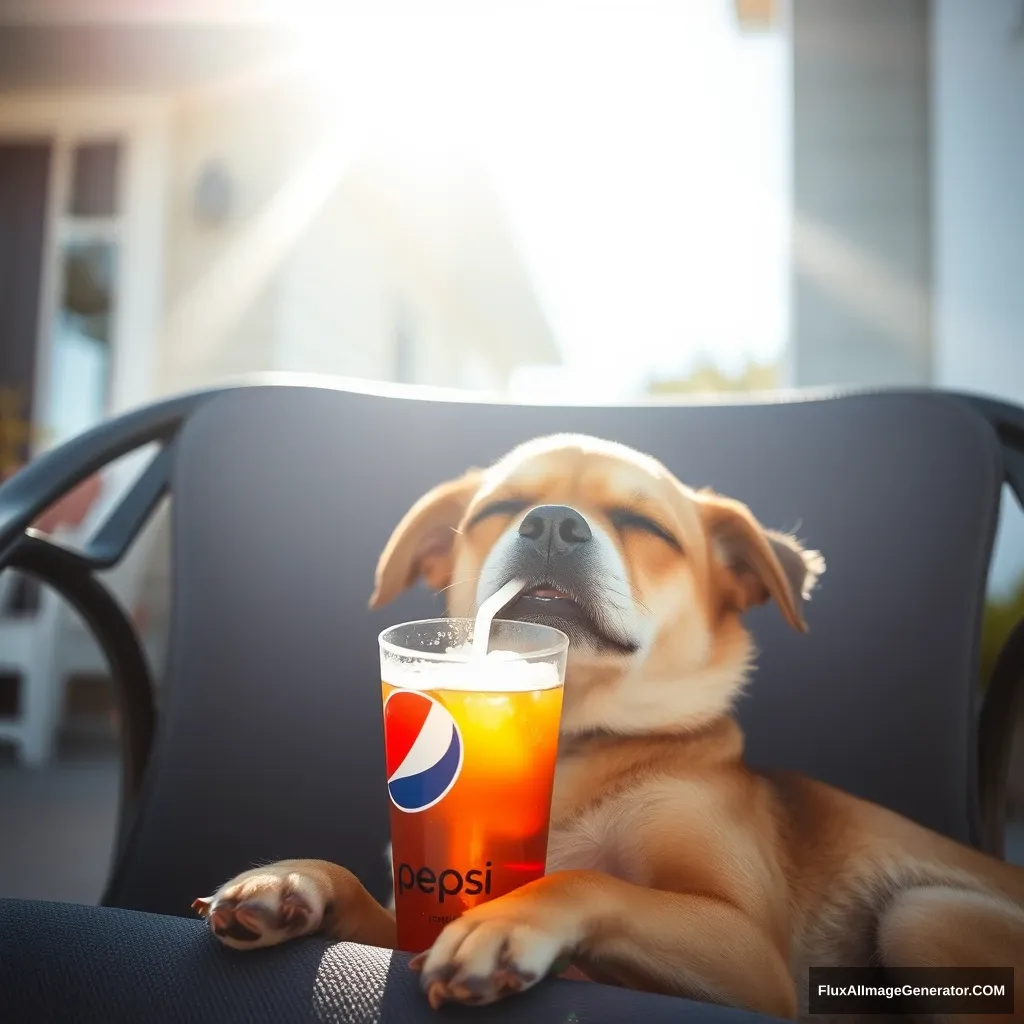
(179,209)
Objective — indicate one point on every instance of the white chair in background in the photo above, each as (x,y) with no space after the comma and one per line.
(46,646)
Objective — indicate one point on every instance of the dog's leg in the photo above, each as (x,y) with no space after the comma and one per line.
(269,905)
(936,926)
(659,941)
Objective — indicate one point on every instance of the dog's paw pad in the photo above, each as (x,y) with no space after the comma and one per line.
(294,911)
(263,908)
(237,921)
(475,965)
(476,990)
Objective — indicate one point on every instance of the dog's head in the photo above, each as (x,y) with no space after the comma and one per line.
(647,577)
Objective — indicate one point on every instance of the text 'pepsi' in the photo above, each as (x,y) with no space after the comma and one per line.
(447,882)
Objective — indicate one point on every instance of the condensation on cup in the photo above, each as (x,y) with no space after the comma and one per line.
(470,745)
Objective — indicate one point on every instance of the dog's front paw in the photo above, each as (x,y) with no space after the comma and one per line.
(266,906)
(492,951)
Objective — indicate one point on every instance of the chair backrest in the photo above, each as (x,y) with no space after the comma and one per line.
(270,740)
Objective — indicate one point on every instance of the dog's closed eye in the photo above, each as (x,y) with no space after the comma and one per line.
(506,507)
(626,519)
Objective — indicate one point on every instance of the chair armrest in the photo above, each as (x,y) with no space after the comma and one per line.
(97,965)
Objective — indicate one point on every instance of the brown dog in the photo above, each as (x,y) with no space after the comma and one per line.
(671,867)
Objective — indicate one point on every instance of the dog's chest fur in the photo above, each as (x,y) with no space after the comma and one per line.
(590,821)
(593,839)
(619,802)
(598,818)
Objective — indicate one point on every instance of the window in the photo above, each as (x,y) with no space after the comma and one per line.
(87,272)
(80,367)
(94,179)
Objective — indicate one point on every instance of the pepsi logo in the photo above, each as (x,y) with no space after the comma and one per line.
(422,748)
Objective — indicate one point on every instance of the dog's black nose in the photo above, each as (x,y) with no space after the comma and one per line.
(556,527)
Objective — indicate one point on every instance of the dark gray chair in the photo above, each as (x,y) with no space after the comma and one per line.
(268,742)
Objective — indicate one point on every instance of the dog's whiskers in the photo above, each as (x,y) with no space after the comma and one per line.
(466,579)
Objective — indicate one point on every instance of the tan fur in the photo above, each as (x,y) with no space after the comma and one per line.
(672,867)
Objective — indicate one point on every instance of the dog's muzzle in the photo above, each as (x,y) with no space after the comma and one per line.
(555,552)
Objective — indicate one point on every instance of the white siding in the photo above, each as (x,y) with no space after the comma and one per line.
(861,195)
(979,216)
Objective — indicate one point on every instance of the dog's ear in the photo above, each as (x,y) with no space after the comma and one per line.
(423,542)
(759,563)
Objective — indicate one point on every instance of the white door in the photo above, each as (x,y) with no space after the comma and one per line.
(101,269)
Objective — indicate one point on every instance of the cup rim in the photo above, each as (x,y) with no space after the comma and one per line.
(404,652)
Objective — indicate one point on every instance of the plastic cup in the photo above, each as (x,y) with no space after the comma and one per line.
(470,745)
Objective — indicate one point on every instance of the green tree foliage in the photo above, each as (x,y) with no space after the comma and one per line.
(707,378)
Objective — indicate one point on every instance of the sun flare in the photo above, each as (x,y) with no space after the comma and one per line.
(396,87)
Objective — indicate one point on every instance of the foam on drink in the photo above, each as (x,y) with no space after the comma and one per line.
(491,673)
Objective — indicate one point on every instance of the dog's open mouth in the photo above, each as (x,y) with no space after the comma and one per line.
(551,605)
(547,599)
(547,594)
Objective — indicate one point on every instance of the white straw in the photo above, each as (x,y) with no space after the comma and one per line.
(490,608)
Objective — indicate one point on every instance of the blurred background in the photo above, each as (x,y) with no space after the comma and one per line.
(541,200)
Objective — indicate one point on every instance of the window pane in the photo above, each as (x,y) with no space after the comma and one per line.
(81,344)
(94,179)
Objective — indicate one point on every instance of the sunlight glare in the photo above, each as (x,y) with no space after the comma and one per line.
(201,321)
(636,152)
(400,87)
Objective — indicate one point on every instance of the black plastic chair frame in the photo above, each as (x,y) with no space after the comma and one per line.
(71,573)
